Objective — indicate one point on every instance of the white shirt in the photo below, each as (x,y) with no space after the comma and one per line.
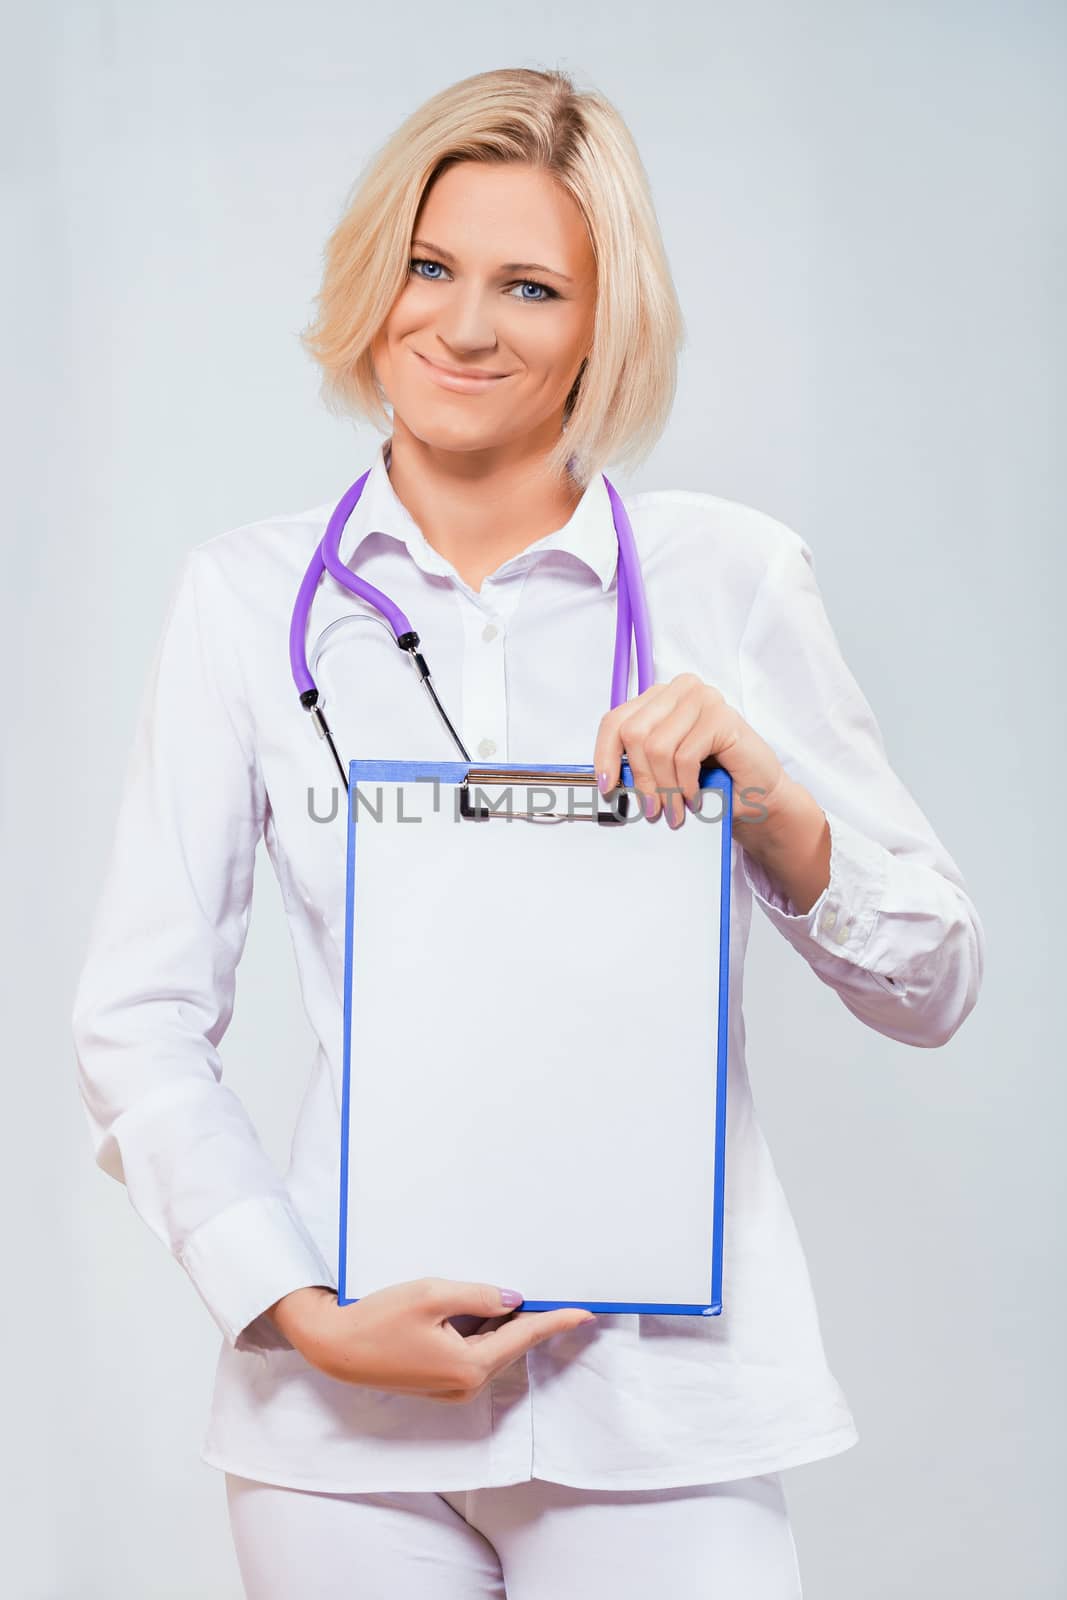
(225,755)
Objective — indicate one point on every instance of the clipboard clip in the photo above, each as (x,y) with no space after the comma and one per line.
(480,807)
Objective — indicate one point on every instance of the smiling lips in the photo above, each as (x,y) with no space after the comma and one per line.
(472,382)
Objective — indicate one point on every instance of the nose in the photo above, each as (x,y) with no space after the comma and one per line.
(465,323)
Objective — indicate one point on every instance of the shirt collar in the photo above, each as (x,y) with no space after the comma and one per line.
(588,534)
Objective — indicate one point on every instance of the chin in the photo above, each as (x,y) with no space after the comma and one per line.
(452,432)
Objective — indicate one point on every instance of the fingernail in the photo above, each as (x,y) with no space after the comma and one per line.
(602,782)
(650,806)
(510,1297)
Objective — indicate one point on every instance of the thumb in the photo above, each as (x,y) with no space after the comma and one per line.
(447,1296)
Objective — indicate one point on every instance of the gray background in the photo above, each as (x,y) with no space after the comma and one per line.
(861,210)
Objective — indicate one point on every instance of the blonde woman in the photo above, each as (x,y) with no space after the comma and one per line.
(498,282)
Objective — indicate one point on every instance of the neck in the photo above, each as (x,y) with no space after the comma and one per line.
(475,508)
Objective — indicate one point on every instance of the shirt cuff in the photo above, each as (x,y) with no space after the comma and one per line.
(244,1259)
(843,917)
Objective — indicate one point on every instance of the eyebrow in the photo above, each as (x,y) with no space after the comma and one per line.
(507,266)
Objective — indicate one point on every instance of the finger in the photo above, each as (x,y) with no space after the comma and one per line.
(714,735)
(661,749)
(528,1329)
(641,768)
(449,1297)
(711,735)
(610,746)
(649,751)
(608,752)
(670,749)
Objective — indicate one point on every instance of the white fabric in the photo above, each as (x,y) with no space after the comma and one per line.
(225,755)
(524,1541)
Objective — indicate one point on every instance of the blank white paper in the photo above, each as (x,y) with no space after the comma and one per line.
(534,1042)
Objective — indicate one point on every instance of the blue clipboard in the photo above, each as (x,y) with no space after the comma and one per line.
(452,776)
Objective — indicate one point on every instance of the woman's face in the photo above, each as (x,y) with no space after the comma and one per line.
(502,281)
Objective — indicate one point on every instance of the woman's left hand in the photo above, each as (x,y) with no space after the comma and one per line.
(667,732)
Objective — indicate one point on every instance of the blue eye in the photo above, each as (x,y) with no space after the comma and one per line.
(419,262)
(532,283)
(523,283)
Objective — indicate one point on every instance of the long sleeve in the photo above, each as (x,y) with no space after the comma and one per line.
(895,932)
(156,991)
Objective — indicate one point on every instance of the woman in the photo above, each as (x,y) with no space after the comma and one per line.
(499,280)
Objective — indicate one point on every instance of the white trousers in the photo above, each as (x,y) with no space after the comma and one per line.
(520,1541)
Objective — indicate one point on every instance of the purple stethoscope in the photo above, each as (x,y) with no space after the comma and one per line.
(631,617)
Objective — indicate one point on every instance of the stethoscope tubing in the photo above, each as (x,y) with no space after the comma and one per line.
(631,616)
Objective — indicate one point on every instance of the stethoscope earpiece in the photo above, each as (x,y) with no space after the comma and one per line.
(632,620)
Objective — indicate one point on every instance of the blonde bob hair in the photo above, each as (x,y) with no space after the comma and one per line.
(623,393)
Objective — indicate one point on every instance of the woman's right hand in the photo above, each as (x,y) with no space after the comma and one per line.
(400,1338)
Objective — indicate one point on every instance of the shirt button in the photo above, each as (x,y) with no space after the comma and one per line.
(487,748)
(829,917)
(842,933)
(490,631)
